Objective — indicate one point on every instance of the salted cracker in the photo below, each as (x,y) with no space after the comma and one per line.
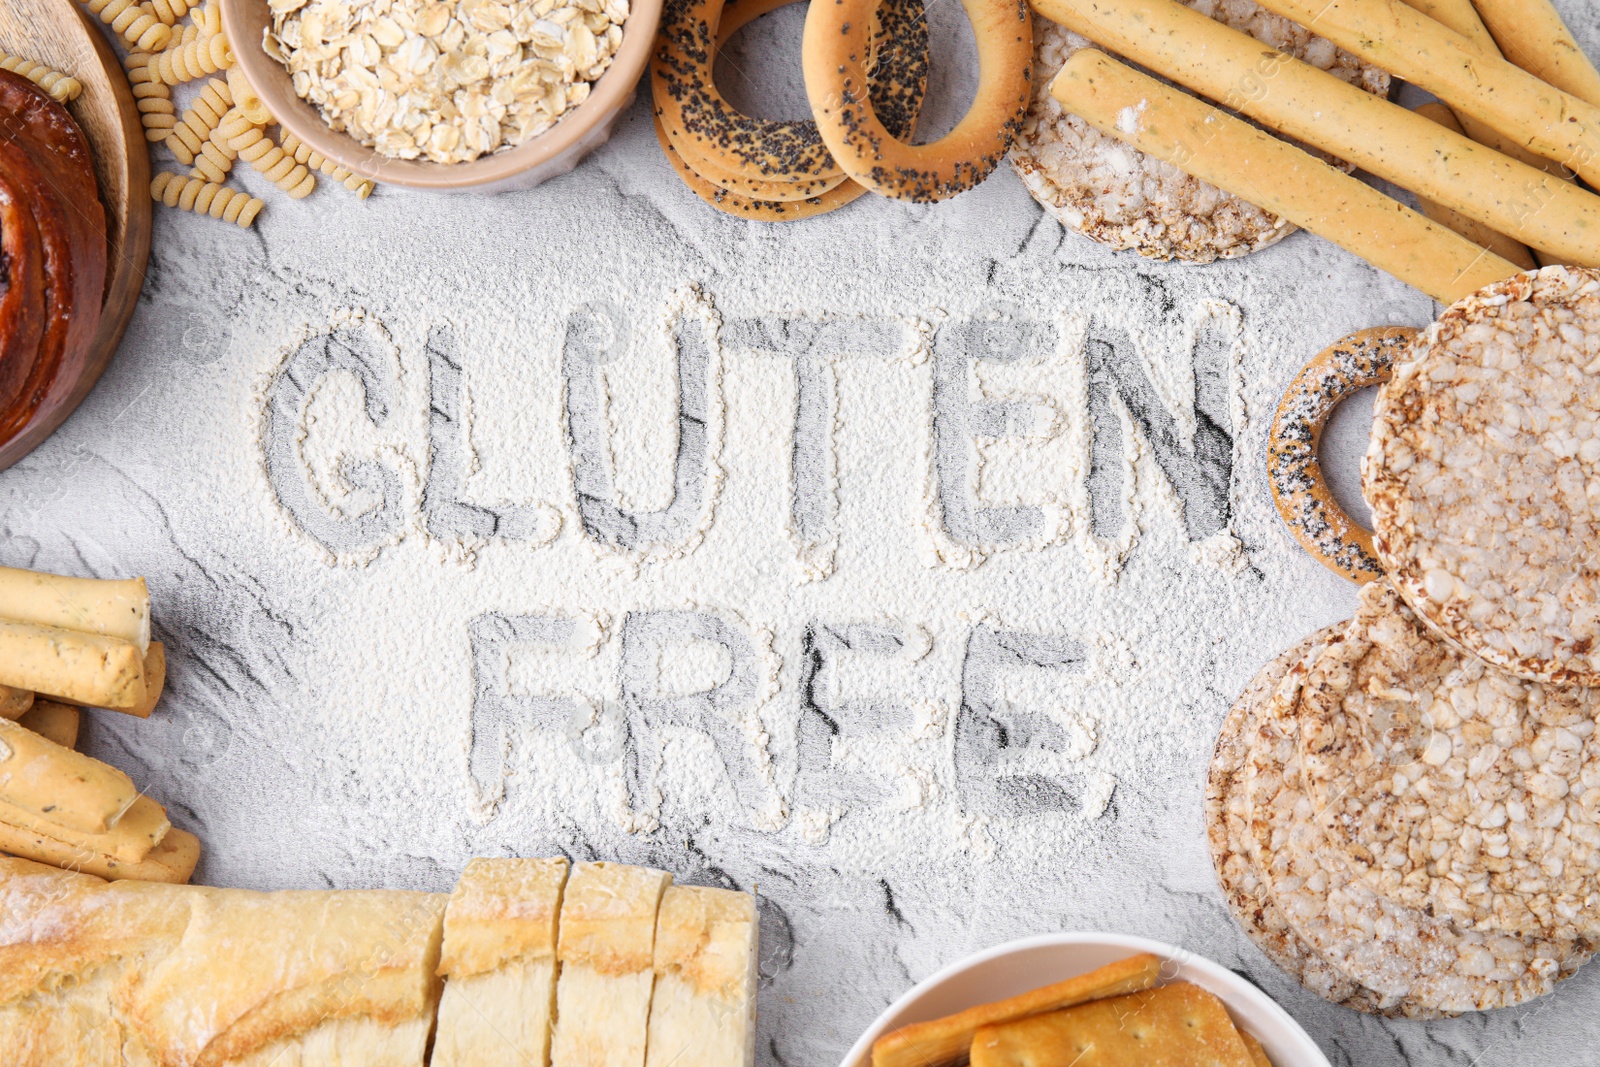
(1483,481)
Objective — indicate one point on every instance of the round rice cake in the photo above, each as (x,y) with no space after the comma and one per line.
(1483,475)
(1419,966)
(1227,833)
(1452,786)
(1094,184)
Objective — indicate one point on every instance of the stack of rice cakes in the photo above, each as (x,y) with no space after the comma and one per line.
(1406,828)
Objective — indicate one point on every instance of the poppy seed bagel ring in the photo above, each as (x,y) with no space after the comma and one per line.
(751,156)
(745,207)
(834,56)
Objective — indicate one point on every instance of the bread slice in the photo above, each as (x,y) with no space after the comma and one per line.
(499,962)
(703,1010)
(606,952)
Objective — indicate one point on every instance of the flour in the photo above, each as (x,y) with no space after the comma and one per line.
(901,563)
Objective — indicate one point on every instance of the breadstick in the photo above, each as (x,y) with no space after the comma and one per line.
(1431,56)
(1479,234)
(1319,109)
(59,785)
(1275,176)
(103,672)
(1533,36)
(174,860)
(141,828)
(112,607)
(14,703)
(155,680)
(1462,17)
(58,723)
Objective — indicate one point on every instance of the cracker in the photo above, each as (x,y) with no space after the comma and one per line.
(1228,832)
(1481,475)
(947,1040)
(1118,196)
(1420,966)
(1454,787)
(1176,1025)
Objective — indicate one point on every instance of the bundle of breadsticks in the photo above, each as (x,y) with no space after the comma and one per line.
(68,643)
(1492,167)
(525,964)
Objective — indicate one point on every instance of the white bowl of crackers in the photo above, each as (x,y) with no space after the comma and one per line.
(1091,1000)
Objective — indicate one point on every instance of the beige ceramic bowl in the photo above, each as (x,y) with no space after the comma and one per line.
(552,153)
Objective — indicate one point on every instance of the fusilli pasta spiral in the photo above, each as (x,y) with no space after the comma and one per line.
(206,54)
(205,198)
(304,153)
(170,11)
(136,22)
(61,87)
(215,158)
(257,149)
(194,129)
(152,96)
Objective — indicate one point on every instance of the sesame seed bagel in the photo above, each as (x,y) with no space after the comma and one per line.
(754,156)
(834,60)
(1309,510)
(760,210)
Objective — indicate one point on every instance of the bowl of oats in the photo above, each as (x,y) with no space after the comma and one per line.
(446,95)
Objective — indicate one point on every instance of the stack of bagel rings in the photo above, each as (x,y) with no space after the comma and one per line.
(866,73)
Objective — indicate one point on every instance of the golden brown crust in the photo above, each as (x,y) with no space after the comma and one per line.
(707,938)
(608,917)
(502,910)
(834,59)
(1294,472)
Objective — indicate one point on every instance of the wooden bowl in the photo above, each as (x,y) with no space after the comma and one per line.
(554,152)
(62,35)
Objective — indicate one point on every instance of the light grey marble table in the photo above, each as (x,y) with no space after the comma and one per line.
(358,452)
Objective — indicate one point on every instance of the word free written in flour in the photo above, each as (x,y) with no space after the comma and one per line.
(847,564)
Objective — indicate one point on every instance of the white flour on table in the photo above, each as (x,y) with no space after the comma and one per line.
(900,565)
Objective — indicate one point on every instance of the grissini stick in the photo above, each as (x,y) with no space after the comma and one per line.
(1533,35)
(1462,17)
(1479,234)
(1431,56)
(174,860)
(57,784)
(1235,69)
(111,608)
(141,829)
(155,680)
(1275,176)
(103,672)
(55,722)
(14,703)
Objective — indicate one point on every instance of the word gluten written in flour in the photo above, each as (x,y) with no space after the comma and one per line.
(833,553)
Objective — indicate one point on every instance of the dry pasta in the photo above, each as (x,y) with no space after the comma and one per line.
(206,54)
(280,168)
(170,11)
(304,153)
(246,99)
(194,129)
(215,159)
(138,24)
(205,198)
(61,87)
(152,96)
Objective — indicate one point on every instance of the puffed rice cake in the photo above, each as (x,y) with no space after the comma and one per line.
(1418,965)
(1451,786)
(1483,475)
